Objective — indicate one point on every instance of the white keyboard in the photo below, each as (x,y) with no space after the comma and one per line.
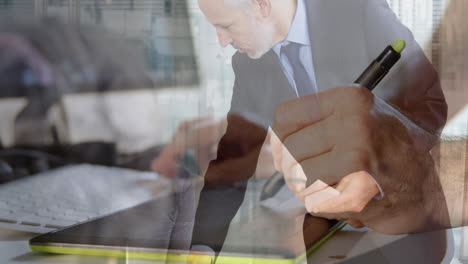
(73,194)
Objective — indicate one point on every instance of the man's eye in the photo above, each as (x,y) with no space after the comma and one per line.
(223,27)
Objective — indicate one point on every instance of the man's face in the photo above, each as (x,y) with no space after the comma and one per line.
(240,26)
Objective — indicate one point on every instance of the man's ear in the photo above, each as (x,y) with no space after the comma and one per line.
(264,7)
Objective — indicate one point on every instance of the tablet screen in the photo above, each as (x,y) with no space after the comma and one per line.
(167,223)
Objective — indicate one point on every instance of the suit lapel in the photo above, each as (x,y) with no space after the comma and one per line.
(336,31)
(278,86)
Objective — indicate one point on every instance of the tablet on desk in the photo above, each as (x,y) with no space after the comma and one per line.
(161,230)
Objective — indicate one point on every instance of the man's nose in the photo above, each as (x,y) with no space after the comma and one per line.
(223,38)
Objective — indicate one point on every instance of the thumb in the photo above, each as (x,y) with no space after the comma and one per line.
(276,150)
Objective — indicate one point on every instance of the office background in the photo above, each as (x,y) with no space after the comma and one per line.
(433,22)
(438,25)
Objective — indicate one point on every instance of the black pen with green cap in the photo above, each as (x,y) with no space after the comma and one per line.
(377,70)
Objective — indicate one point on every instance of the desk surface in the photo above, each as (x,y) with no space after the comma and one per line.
(347,246)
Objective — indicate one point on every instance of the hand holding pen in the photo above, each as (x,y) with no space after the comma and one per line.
(336,157)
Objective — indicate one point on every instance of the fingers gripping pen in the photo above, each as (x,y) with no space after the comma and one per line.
(377,70)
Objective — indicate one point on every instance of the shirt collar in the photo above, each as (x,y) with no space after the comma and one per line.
(299,31)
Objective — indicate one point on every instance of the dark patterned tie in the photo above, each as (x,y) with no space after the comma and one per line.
(301,78)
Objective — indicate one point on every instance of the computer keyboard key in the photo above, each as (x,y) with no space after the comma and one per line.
(8,214)
(20,212)
(24,197)
(30,223)
(14,203)
(80,214)
(41,201)
(4,207)
(105,211)
(45,213)
(61,210)
(60,223)
(54,226)
(5,212)
(8,221)
(6,196)
(71,218)
(30,207)
(85,210)
(35,219)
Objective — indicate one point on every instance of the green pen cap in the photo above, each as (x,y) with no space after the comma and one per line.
(377,70)
(399,46)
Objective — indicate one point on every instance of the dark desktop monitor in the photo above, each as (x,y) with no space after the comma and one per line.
(96,44)
(58,48)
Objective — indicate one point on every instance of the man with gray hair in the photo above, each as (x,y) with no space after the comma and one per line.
(345,152)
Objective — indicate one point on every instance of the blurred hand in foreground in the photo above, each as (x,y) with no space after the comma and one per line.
(337,147)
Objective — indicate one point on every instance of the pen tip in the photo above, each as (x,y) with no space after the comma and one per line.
(399,46)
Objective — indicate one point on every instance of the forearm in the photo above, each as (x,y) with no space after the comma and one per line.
(226,179)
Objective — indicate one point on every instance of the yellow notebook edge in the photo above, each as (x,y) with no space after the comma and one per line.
(188,258)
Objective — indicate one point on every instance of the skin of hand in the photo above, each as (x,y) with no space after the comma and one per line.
(201,134)
(166,163)
(265,165)
(349,140)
